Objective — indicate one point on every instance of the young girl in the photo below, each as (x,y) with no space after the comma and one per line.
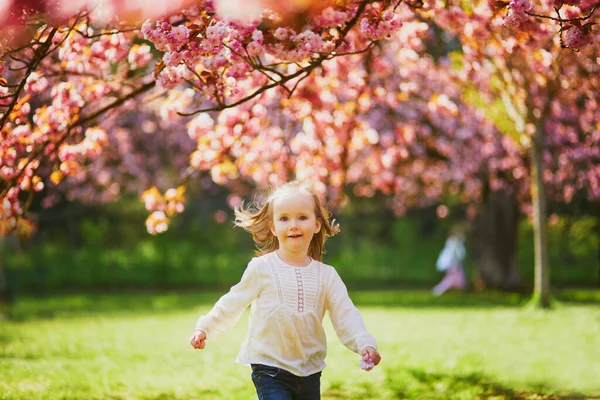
(289,290)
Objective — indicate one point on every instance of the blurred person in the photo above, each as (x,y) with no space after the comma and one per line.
(451,260)
(289,290)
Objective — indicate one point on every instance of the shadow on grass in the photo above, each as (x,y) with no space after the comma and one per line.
(78,305)
(424,299)
(470,300)
(447,386)
(417,384)
(203,394)
(81,305)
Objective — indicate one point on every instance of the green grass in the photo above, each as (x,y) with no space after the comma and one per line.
(459,346)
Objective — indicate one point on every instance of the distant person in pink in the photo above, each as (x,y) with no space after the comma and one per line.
(451,260)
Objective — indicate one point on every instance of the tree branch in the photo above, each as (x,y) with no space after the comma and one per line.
(286,78)
(80,122)
(561,19)
(39,55)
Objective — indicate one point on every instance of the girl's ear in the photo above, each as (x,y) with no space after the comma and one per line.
(272,228)
(318,225)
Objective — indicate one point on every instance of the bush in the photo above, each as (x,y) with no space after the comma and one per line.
(108,248)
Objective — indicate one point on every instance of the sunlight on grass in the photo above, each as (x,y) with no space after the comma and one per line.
(462,346)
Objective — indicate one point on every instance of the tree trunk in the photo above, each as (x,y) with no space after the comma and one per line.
(3,286)
(541,289)
(495,241)
(598,233)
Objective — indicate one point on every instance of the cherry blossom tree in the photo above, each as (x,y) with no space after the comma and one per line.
(89,72)
(391,121)
(549,94)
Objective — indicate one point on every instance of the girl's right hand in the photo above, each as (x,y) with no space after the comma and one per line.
(198,340)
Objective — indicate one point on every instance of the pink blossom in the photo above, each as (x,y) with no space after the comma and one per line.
(577,37)
(254,49)
(139,56)
(517,11)
(331,17)
(147,28)
(236,46)
(217,32)
(388,16)
(97,135)
(520,6)
(257,36)
(367,28)
(172,58)
(283,33)
(366,363)
(200,125)
(309,41)
(170,77)
(178,37)
(36,83)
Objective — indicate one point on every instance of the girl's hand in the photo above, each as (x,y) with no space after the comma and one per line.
(198,340)
(370,358)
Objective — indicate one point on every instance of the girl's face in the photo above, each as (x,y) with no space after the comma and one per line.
(294,223)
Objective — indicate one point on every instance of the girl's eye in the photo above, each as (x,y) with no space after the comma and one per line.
(303,218)
(283,218)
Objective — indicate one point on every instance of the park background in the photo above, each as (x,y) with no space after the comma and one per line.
(105,248)
(116,219)
(100,309)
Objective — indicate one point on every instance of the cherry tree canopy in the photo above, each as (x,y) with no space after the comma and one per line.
(269,91)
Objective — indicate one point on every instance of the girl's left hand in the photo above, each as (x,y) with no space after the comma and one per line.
(372,354)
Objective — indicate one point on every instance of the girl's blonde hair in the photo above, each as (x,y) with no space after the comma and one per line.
(255,218)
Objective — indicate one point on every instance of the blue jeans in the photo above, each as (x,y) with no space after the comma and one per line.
(274,383)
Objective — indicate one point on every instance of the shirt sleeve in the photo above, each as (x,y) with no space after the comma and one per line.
(345,317)
(229,308)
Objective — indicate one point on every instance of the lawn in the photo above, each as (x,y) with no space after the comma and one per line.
(459,346)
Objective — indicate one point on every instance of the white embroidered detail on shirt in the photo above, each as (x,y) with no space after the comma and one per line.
(298,286)
(300,291)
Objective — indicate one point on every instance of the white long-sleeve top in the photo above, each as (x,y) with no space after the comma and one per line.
(452,254)
(287,308)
